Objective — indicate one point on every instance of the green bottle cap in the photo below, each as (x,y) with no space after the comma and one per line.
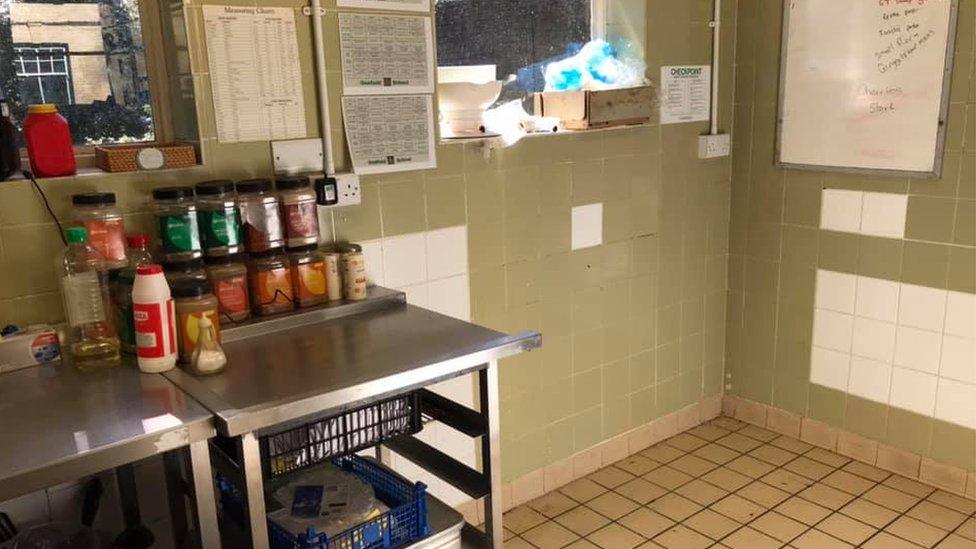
(76,235)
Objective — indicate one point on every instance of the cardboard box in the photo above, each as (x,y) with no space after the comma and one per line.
(30,347)
(582,110)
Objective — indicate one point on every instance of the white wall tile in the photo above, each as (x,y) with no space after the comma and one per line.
(961,314)
(955,402)
(450,296)
(829,368)
(405,259)
(832,330)
(877,298)
(913,391)
(883,214)
(373,255)
(921,307)
(587,223)
(835,291)
(460,389)
(870,379)
(840,210)
(874,339)
(447,252)
(27,510)
(918,349)
(417,294)
(958,359)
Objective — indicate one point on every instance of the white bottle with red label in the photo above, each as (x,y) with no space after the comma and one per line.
(155,320)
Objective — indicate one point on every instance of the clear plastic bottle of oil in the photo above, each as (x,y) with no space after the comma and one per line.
(94,343)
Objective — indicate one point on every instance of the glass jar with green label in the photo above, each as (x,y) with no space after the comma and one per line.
(176,218)
(219,219)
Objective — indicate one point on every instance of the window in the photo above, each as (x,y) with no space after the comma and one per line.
(43,73)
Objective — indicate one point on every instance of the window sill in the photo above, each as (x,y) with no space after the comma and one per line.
(488,138)
(97,172)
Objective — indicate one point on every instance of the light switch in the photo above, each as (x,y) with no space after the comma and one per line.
(587,226)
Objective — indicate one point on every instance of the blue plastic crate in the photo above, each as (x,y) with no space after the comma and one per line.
(406,521)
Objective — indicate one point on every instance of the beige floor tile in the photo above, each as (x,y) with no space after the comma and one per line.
(739,443)
(649,545)
(953,501)
(815,539)
(867,471)
(787,481)
(692,465)
(506,533)
(968,529)
(675,507)
(702,492)
(662,453)
(610,477)
(869,513)
(827,457)
(955,542)
(549,535)
(637,465)
(667,477)
(709,432)
(646,522)
(808,468)
(582,490)
(778,526)
(681,537)
(614,536)
(582,544)
(908,486)
(772,454)
(848,482)
(937,515)
(791,444)
(522,518)
(685,442)
(763,494)
(727,479)
(728,423)
(738,509)
(758,433)
(916,531)
(611,505)
(750,466)
(884,540)
(712,524)
(517,543)
(826,496)
(716,454)
(890,498)
(553,503)
(747,538)
(802,510)
(845,528)
(641,491)
(583,520)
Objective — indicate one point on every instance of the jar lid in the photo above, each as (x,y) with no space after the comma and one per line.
(253,185)
(291,183)
(42,108)
(222,259)
(348,247)
(215,187)
(93,199)
(303,249)
(191,288)
(171,193)
(183,265)
(267,253)
(149,269)
(137,240)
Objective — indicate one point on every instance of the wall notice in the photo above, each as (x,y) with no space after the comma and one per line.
(255,73)
(686,93)
(386,54)
(390,133)
(405,5)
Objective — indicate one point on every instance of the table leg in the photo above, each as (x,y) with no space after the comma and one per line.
(491,453)
(203,492)
(254,484)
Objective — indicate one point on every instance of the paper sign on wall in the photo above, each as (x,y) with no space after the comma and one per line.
(686,93)
(385,54)
(390,133)
(405,5)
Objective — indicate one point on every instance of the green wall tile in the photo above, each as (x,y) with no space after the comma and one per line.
(445,201)
(930,218)
(962,269)
(826,404)
(953,444)
(880,257)
(838,251)
(865,417)
(402,207)
(908,430)
(925,264)
(965,227)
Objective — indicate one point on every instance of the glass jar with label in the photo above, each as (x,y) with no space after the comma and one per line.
(183,271)
(299,212)
(193,300)
(228,277)
(220,224)
(260,215)
(176,218)
(102,219)
(269,278)
(308,276)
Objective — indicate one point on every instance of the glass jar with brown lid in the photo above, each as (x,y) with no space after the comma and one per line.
(260,215)
(269,278)
(228,277)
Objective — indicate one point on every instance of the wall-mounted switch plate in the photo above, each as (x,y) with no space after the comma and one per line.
(714,146)
(297,156)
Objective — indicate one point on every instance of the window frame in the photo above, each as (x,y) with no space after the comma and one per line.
(49,48)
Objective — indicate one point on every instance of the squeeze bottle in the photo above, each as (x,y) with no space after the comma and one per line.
(155,320)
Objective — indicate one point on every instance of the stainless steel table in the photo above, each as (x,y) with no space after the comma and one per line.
(321,363)
(57,425)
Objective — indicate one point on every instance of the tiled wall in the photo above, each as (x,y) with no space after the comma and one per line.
(835,278)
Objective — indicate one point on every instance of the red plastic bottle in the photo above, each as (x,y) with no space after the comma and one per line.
(49,143)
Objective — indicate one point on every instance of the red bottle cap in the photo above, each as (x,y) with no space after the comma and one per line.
(151,269)
(137,240)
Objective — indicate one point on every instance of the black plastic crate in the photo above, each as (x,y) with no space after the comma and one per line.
(340,435)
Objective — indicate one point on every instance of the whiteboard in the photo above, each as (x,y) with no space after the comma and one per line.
(864,85)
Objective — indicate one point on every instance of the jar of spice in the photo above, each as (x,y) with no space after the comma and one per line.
(178,272)
(193,300)
(99,215)
(260,215)
(176,217)
(220,224)
(228,278)
(299,212)
(308,276)
(269,278)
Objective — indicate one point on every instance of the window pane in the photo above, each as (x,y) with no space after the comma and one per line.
(86,57)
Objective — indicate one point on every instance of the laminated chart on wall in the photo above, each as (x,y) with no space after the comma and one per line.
(686,93)
(403,5)
(255,73)
(386,54)
(390,133)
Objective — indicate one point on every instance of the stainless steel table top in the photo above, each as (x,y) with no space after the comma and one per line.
(325,366)
(58,424)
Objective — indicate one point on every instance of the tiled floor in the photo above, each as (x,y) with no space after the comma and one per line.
(730,484)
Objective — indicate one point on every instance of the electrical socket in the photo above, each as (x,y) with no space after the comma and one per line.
(348,188)
(714,146)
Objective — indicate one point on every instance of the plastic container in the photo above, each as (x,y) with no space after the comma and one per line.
(308,276)
(260,215)
(155,320)
(99,215)
(178,272)
(176,217)
(299,211)
(138,254)
(9,147)
(87,304)
(354,276)
(228,278)
(49,144)
(220,223)
(193,301)
(269,278)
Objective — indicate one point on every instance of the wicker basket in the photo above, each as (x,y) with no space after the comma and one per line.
(122,158)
